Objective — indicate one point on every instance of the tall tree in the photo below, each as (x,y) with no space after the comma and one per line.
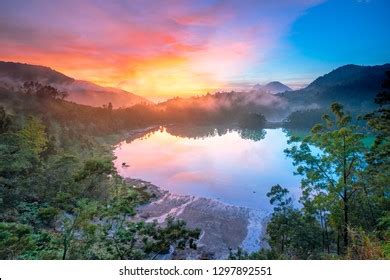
(378,157)
(330,159)
(33,136)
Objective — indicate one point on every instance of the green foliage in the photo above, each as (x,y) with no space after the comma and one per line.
(15,239)
(378,158)
(345,192)
(304,118)
(5,121)
(33,136)
(95,167)
(122,239)
(60,195)
(278,198)
(330,160)
(263,254)
(384,234)
(287,229)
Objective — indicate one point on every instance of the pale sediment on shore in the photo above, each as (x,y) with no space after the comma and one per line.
(223,226)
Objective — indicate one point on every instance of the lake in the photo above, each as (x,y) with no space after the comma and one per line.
(234,166)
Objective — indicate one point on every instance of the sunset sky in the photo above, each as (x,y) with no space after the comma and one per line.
(161,49)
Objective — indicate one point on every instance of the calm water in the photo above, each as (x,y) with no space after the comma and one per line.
(234,166)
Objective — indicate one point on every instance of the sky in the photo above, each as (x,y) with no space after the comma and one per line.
(162,49)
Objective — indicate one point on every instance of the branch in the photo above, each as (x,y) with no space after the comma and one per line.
(326,175)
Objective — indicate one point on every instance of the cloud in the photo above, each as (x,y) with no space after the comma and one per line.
(149,47)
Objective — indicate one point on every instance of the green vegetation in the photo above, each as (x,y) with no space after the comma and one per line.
(252,121)
(345,204)
(60,196)
(303,119)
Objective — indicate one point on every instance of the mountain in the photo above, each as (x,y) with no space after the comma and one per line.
(352,76)
(272,87)
(13,75)
(354,86)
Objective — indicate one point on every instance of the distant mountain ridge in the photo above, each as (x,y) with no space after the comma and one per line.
(354,86)
(352,75)
(13,74)
(272,87)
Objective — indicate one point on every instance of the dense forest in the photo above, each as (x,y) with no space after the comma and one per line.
(345,203)
(60,196)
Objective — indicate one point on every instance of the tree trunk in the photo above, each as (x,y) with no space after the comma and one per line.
(346,223)
(327,237)
(338,242)
(345,198)
(65,249)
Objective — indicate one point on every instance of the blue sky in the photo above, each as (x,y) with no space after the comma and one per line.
(327,36)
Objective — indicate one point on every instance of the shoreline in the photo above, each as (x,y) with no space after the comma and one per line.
(223,226)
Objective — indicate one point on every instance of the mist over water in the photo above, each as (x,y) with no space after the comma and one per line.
(237,167)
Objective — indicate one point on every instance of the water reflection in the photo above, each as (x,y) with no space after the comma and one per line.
(201,132)
(233,165)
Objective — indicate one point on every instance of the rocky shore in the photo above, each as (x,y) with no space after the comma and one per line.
(223,226)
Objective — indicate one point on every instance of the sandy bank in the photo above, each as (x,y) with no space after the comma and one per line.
(223,226)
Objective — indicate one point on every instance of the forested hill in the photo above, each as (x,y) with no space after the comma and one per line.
(13,75)
(353,85)
(47,103)
(60,195)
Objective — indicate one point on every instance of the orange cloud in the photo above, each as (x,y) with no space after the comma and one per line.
(174,48)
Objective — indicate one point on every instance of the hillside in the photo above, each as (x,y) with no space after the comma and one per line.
(13,75)
(353,85)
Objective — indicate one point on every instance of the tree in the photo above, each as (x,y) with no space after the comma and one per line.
(378,157)
(377,173)
(109,107)
(278,228)
(42,91)
(252,120)
(303,118)
(33,136)
(330,160)
(292,233)
(77,221)
(5,121)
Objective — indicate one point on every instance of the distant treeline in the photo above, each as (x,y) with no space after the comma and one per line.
(48,103)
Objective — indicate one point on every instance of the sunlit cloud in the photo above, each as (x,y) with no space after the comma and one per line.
(153,48)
